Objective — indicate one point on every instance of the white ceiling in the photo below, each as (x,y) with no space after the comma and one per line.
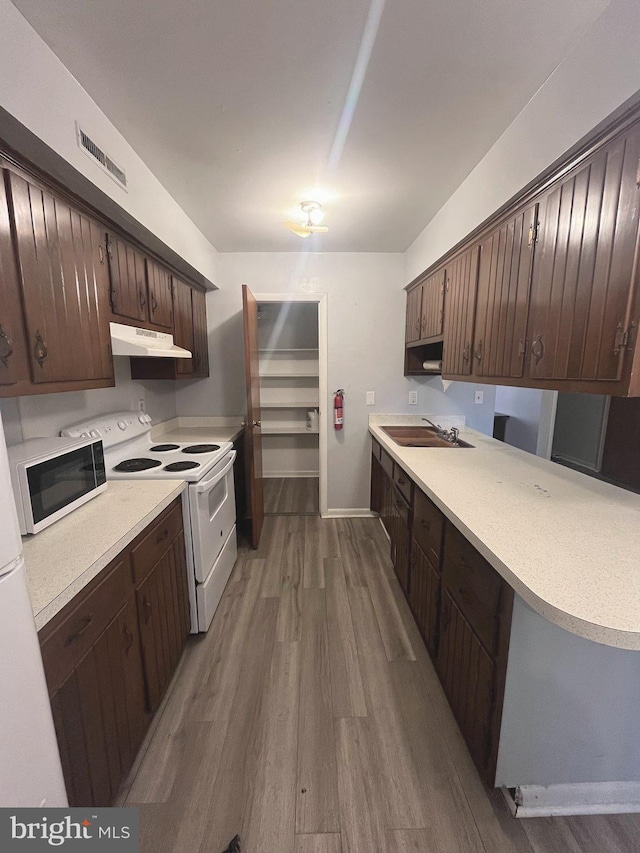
(236,105)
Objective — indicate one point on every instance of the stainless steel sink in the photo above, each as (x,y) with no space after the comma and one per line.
(418,436)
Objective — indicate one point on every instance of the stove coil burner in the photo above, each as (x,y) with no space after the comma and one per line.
(201,448)
(132,465)
(181,466)
(162,448)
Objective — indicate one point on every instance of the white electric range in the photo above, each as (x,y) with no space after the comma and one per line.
(208,502)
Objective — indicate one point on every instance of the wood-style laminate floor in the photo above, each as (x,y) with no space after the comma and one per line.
(310,720)
(291,495)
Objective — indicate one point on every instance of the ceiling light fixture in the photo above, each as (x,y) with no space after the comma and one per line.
(313,214)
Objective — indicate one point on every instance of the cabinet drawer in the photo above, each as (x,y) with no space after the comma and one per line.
(153,545)
(403,483)
(428,524)
(474,585)
(73,637)
(387,462)
(376,449)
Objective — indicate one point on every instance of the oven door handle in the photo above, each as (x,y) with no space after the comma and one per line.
(207,485)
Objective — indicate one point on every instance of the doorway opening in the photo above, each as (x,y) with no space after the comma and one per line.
(291,390)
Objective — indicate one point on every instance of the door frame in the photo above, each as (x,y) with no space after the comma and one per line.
(323,348)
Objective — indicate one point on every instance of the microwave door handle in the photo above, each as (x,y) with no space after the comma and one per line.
(207,485)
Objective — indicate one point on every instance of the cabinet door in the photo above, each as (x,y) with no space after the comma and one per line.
(424,596)
(414,315)
(128,284)
(13,361)
(432,314)
(504,281)
(183,325)
(459,308)
(468,677)
(64,286)
(584,265)
(159,296)
(200,334)
(100,715)
(163,611)
(400,541)
(377,474)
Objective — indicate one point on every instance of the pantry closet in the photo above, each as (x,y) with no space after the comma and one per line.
(289,397)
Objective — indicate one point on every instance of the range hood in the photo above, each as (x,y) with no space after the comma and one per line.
(143,343)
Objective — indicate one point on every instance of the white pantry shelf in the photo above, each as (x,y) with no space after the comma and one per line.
(273,375)
(291,404)
(288,430)
(293,349)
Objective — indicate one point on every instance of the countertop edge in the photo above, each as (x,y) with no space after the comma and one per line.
(43,616)
(595,632)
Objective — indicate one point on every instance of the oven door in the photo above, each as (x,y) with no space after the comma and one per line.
(212,507)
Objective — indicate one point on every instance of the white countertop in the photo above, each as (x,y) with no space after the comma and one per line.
(63,558)
(198,429)
(567,543)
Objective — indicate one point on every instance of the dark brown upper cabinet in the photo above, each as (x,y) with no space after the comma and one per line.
(159,296)
(140,289)
(425,309)
(65,286)
(459,310)
(190,332)
(504,281)
(128,280)
(14,369)
(584,272)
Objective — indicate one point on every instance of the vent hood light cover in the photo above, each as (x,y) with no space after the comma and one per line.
(143,343)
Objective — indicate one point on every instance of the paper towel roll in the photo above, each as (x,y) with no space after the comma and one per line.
(435,366)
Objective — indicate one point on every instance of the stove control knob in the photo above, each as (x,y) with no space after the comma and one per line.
(84,435)
(122,424)
(142,419)
(94,433)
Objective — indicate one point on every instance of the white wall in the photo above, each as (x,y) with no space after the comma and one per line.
(37,89)
(366,316)
(523,407)
(47,414)
(601,72)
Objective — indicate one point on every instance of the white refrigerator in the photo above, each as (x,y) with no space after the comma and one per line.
(30,770)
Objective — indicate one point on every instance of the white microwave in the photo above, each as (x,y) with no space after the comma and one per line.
(53,476)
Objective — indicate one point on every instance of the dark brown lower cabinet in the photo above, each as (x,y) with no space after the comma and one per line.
(108,659)
(164,619)
(461,605)
(400,538)
(475,623)
(424,596)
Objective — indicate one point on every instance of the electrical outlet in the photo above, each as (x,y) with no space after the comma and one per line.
(141,405)
(371,398)
(413,398)
(479,398)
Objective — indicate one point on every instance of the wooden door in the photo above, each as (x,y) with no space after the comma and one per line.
(159,296)
(128,282)
(459,309)
(183,325)
(376,498)
(504,281)
(64,286)
(432,313)
(163,613)
(253,431)
(200,334)
(13,360)
(414,314)
(583,279)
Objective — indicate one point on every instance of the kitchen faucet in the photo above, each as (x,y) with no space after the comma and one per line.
(448,434)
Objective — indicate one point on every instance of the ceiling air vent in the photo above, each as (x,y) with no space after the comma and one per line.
(92,150)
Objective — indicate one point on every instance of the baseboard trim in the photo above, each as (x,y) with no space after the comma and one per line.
(580,798)
(356,512)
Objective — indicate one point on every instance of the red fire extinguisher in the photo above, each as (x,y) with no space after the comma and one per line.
(338,404)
